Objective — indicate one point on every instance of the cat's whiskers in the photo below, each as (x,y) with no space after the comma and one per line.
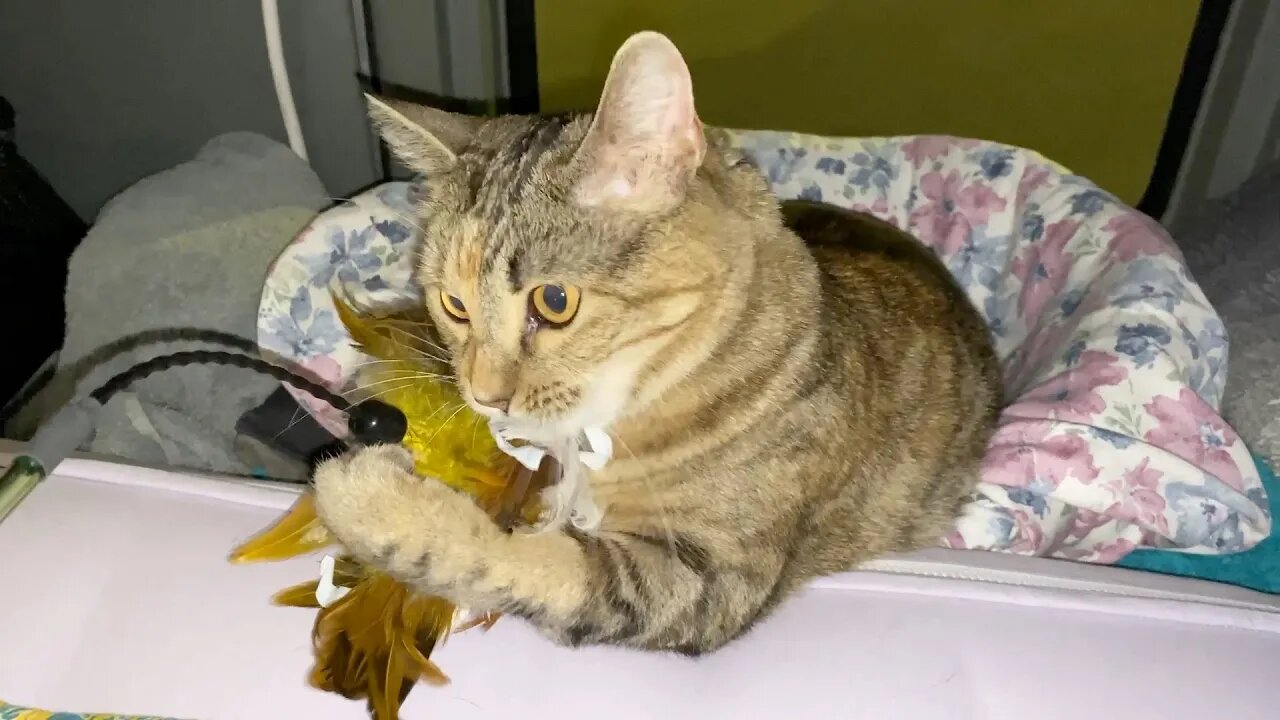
(421,354)
(427,356)
(420,339)
(367,363)
(381,393)
(461,407)
(299,414)
(443,406)
(408,378)
(420,374)
(648,482)
(474,427)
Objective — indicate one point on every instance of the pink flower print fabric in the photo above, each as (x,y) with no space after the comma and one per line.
(1114,361)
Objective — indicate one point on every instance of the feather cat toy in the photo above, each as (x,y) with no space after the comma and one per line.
(373,636)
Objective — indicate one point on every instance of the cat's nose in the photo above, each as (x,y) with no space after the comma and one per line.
(501,404)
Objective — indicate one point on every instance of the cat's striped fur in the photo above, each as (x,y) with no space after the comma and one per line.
(793,390)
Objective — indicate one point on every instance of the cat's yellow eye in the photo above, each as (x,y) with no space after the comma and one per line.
(555,304)
(454,307)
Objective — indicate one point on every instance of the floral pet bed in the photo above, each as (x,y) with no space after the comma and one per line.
(1113,359)
(15,712)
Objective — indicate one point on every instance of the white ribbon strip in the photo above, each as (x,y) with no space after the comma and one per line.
(327,593)
(601,448)
(598,454)
(529,456)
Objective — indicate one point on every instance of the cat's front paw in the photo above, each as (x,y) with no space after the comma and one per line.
(361,496)
(415,528)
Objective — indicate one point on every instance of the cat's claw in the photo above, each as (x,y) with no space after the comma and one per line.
(556,508)
(586,515)
(563,503)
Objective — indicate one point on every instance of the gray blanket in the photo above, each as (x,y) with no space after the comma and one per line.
(1233,249)
(189,246)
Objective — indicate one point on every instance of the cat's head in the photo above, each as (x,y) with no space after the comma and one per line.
(574,265)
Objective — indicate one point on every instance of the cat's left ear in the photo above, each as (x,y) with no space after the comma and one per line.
(646,142)
(426,139)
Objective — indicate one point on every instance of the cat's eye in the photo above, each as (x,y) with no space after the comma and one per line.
(454,307)
(555,304)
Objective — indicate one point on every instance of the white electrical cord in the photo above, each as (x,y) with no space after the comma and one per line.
(280,75)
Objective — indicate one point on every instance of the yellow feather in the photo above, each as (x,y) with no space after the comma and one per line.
(406,335)
(297,532)
(449,441)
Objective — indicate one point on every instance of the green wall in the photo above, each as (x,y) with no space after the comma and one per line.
(1086,82)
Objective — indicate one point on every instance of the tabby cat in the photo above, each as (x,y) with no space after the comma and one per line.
(792,389)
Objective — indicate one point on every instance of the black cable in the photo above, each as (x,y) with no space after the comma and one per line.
(369,422)
(104,354)
(215,357)
(200,335)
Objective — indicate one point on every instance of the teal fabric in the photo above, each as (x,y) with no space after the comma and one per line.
(1257,568)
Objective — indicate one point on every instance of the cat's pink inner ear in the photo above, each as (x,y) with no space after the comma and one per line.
(646,141)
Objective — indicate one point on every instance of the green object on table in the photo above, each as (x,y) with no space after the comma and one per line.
(18,481)
(53,442)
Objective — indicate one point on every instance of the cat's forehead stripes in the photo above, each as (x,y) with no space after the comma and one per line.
(513,204)
(468,250)
(515,274)
(542,135)
(499,177)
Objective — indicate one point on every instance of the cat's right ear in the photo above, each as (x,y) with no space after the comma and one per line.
(424,138)
(646,142)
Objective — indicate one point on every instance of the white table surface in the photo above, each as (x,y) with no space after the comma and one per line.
(118,598)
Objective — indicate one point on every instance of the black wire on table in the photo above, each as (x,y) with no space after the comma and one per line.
(216,357)
(369,422)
